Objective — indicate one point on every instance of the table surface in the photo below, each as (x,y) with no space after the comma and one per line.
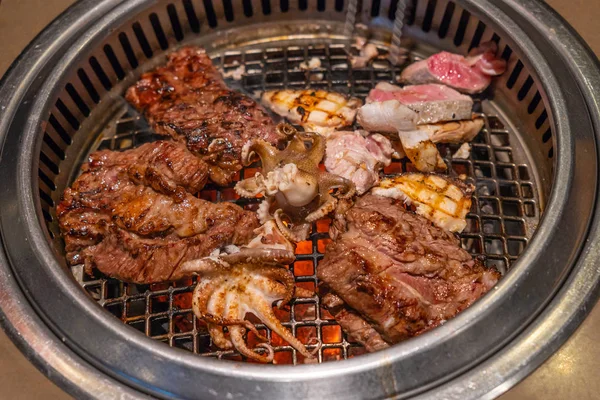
(570,373)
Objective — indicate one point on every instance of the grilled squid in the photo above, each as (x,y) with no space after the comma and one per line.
(440,199)
(315,110)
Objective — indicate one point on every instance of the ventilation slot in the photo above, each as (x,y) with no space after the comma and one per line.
(525,88)
(506,53)
(47,217)
(477,35)
(266,7)
(534,103)
(515,75)
(410,12)
(158,31)
(247,5)
(339,5)
(60,130)
(142,40)
(85,110)
(462,27)
(303,4)
(47,181)
(392,10)
(284,5)
(54,147)
(210,13)
(495,38)
(128,50)
(100,73)
(547,135)
(443,31)
(190,13)
(49,163)
(551,152)
(429,15)
(87,84)
(321,5)
(175,24)
(110,54)
(228,9)
(541,119)
(375,8)
(67,114)
(44,196)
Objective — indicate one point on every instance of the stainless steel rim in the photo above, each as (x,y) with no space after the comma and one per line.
(310,375)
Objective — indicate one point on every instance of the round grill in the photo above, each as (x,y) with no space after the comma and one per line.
(533,165)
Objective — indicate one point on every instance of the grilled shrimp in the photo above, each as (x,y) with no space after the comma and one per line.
(316,110)
(442,200)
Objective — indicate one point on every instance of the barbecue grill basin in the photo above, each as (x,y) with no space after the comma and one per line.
(535,166)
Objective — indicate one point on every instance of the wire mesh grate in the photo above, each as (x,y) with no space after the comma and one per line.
(499,224)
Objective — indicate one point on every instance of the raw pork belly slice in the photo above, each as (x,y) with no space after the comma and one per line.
(472,74)
(432,103)
(358,158)
(188,100)
(398,272)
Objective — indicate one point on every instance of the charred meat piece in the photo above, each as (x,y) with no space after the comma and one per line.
(135,233)
(358,158)
(472,74)
(401,274)
(316,110)
(442,200)
(188,100)
(432,103)
(454,131)
(163,165)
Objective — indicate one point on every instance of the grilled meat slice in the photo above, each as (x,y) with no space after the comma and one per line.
(432,103)
(454,131)
(135,233)
(188,100)
(401,274)
(472,74)
(316,110)
(163,165)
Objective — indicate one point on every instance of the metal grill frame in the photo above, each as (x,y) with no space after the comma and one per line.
(383,373)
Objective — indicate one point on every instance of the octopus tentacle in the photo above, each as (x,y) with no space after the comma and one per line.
(265,151)
(329,181)
(285,277)
(263,211)
(301,292)
(250,187)
(265,312)
(297,234)
(218,337)
(237,338)
(323,210)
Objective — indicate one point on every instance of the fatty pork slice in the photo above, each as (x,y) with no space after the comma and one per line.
(318,111)
(471,74)
(398,272)
(432,103)
(358,157)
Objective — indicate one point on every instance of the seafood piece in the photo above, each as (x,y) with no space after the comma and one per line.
(367,53)
(440,199)
(453,132)
(297,192)
(432,103)
(316,110)
(386,116)
(421,151)
(472,74)
(358,157)
(226,292)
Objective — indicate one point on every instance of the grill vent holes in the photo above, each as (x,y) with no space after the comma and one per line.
(87,84)
(375,8)
(534,102)
(320,5)
(190,12)
(62,133)
(110,55)
(429,15)
(266,7)
(462,27)
(210,13)
(478,35)
(510,83)
(142,40)
(247,4)
(158,31)
(339,5)
(284,5)
(175,23)
(443,30)
(100,73)
(228,8)
(303,5)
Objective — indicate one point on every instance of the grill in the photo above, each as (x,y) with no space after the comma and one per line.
(532,165)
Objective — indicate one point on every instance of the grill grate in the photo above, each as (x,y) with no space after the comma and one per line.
(502,218)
